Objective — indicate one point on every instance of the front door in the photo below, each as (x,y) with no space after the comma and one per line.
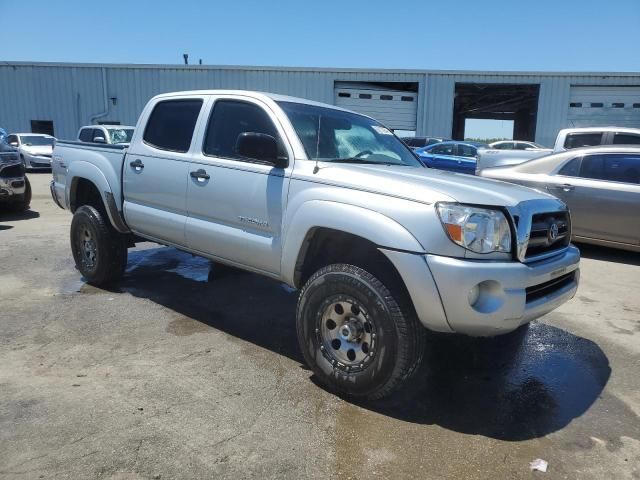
(236,204)
(156,171)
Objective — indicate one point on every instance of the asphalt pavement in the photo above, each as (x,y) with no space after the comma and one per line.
(186,371)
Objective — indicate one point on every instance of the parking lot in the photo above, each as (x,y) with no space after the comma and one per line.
(180,371)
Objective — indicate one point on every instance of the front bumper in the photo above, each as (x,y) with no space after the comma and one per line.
(37,162)
(11,187)
(509,294)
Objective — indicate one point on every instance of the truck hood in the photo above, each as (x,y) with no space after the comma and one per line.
(428,185)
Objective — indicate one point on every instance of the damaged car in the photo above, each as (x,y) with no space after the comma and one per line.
(15,190)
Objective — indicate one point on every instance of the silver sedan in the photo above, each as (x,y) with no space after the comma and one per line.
(601,186)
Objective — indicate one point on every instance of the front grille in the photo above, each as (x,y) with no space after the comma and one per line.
(549,232)
(11,171)
(542,290)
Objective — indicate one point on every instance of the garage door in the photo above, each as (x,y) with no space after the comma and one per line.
(604,106)
(395,109)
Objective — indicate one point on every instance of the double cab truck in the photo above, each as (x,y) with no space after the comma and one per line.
(332,203)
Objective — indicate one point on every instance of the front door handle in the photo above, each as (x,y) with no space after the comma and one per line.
(567,187)
(137,165)
(200,175)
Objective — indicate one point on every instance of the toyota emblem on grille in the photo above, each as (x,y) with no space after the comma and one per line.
(553,232)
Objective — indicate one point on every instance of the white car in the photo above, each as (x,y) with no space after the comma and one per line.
(515,145)
(107,134)
(35,149)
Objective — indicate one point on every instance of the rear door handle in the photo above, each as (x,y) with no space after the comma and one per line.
(137,164)
(567,187)
(200,175)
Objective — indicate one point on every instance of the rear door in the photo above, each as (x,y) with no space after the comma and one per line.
(156,169)
(235,203)
(466,159)
(603,195)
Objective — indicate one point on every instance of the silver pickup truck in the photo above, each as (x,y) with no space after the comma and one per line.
(334,204)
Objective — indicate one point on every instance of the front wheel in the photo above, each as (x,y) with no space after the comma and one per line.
(354,334)
(24,200)
(99,251)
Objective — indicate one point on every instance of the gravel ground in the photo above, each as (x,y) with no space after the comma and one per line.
(183,372)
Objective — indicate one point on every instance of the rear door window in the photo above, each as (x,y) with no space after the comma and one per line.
(622,168)
(571,168)
(612,167)
(171,124)
(626,139)
(578,140)
(466,151)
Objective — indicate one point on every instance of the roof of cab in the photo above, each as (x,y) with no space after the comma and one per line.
(252,94)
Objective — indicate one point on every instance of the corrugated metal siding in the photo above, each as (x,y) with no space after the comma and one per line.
(69,94)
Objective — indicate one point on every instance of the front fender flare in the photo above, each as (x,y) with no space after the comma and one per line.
(362,222)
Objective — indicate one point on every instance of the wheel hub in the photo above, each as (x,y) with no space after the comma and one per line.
(89,248)
(346,334)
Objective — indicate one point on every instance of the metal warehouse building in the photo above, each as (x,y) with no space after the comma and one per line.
(58,98)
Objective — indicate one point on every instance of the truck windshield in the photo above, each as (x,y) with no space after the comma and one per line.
(329,135)
(120,135)
(36,141)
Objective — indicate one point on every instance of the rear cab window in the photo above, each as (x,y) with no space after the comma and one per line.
(171,124)
(578,140)
(86,135)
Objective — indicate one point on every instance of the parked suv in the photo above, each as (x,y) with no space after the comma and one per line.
(332,203)
(15,190)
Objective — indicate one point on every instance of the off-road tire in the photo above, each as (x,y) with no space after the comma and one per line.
(23,202)
(400,336)
(110,257)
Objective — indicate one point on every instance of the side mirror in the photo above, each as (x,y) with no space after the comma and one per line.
(99,140)
(260,146)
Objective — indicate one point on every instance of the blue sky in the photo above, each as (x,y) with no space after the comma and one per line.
(465,34)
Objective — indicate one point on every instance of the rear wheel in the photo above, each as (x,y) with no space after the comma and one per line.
(99,251)
(354,334)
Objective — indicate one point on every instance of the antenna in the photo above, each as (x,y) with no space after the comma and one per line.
(316,168)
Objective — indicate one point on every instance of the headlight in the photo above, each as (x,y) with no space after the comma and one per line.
(480,230)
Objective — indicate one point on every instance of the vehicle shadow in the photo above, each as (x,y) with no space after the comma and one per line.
(521,386)
(607,254)
(513,388)
(7,216)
